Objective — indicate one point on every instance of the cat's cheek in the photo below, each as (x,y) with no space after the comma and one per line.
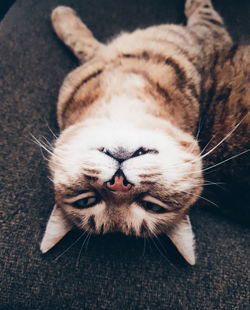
(147,224)
(78,220)
(142,222)
(90,219)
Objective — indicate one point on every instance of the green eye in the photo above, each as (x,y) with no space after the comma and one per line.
(87,202)
(152,207)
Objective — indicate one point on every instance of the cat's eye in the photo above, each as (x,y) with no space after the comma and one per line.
(152,207)
(86,202)
(141,151)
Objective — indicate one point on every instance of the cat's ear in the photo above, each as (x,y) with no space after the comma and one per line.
(57,227)
(183,238)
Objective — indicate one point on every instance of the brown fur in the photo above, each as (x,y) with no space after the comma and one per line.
(229,106)
(177,75)
(176,80)
(177,84)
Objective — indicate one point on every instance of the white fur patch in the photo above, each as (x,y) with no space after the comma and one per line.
(81,152)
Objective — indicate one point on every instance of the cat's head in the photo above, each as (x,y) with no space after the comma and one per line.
(111,177)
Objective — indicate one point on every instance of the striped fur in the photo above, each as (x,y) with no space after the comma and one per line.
(143,89)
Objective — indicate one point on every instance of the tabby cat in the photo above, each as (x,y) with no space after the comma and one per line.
(128,157)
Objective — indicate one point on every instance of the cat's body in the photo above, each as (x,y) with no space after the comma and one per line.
(127,158)
(227,111)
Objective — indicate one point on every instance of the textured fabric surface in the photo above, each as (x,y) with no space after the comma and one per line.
(114,271)
(4,6)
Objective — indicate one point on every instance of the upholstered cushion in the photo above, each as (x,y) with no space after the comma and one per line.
(113,271)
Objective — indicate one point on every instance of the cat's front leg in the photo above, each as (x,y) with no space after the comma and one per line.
(198,9)
(207,23)
(73,32)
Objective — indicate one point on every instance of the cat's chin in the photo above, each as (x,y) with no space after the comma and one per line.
(180,233)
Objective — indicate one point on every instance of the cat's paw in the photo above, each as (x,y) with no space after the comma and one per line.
(192,5)
(63,20)
(61,14)
(73,32)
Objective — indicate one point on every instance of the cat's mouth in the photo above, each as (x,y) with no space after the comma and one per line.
(119,182)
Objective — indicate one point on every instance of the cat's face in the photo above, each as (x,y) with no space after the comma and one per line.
(119,178)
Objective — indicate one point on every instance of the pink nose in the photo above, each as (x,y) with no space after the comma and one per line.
(118,184)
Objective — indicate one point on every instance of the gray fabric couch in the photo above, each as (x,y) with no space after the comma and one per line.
(112,271)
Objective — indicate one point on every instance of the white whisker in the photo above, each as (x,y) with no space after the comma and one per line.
(41,144)
(210,140)
(54,135)
(48,148)
(48,143)
(79,255)
(68,248)
(225,138)
(213,203)
(208,184)
(200,157)
(161,250)
(224,161)
(87,244)
(50,179)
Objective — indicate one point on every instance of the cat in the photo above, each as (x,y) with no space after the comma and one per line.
(128,157)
